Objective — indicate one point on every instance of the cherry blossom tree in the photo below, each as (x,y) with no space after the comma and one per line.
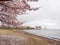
(10,9)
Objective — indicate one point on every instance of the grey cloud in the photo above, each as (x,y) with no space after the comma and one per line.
(50,12)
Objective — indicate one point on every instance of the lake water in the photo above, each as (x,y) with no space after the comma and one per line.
(50,33)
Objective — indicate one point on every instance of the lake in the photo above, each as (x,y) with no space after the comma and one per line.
(50,33)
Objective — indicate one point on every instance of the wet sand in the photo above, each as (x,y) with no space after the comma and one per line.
(16,37)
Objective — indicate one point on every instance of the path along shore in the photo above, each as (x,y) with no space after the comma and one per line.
(19,37)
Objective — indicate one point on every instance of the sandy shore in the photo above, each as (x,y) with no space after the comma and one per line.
(17,37)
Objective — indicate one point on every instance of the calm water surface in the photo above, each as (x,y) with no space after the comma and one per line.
(50,33)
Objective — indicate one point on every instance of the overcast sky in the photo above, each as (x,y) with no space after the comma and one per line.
(48,15)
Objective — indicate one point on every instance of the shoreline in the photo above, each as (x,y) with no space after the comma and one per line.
(28,39)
